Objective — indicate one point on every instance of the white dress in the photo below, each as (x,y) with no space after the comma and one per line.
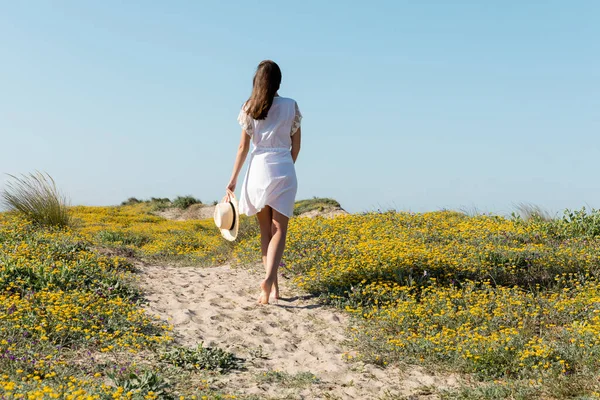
(271,177)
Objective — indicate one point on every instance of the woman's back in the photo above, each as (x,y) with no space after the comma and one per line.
(276,130)
(272,123)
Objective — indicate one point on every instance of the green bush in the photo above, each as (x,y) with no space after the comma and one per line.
(574,224)
(140,384)
(159,200)
(130,201)
(37,198)
(206,358)
(184,202)
(159,204)
(581,223)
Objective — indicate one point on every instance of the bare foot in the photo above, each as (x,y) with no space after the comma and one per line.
(265,292)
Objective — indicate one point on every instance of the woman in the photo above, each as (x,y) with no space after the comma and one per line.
(269,189)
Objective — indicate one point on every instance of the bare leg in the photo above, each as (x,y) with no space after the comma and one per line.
(274,254)
(265,217)
(276,281)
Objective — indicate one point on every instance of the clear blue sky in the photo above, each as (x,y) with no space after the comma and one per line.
(415,105)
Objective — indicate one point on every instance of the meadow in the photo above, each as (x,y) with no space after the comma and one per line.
(512,303)
(72,323)
(515,303)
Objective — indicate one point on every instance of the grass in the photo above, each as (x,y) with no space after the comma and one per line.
(532,212)
(37,197)
(116,237)
(560,388)
(315,203)
(298,380)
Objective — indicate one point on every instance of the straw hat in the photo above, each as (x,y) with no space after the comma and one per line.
(227,218)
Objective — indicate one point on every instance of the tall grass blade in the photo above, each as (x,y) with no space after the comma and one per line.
(37,197)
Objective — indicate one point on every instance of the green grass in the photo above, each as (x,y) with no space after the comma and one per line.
(316,203)
(122,238)
(37,197)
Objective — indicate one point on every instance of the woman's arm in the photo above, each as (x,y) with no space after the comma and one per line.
(240,158)
(296,144)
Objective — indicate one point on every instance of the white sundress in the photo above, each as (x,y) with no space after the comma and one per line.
(271,177)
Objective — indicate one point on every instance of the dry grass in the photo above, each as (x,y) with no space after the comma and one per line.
(529,212)
(37,197)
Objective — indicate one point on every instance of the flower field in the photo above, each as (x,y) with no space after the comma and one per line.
(504,300)
(134,228)
(72,325)
(500,298)
(57,298)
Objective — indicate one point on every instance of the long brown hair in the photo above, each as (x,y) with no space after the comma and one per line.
(264,86)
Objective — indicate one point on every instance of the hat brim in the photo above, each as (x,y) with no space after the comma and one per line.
(231,234)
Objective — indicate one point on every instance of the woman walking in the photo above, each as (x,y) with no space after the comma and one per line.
(272,123)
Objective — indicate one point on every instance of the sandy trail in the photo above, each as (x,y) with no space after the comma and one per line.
(298,335)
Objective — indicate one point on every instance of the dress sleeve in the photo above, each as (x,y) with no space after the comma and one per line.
(245,122)
(297,120)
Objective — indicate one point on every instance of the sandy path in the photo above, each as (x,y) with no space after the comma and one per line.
(218,306)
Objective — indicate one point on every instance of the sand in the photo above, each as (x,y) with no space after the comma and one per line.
(195,211)
(203,211)
(218,306)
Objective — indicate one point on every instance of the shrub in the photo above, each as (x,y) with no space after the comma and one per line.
(581,223)
(207,358)
(159,200)
(37,197)
(576,224)
(184,202)
(130,201)
(147,384)
(157,204)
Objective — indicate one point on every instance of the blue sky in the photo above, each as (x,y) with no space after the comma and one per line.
(408,105)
